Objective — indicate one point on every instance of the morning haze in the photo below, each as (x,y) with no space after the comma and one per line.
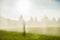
(14,8)
(39,19)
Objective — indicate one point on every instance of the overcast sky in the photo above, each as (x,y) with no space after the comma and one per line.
(15,8)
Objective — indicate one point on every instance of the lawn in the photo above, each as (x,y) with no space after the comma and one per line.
(9,35)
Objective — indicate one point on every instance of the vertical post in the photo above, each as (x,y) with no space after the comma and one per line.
(24,33)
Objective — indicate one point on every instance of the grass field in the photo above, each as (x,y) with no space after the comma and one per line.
(5,35)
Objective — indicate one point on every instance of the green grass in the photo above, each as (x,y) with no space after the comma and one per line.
(5,35)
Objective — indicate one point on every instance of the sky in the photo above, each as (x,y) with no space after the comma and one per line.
(13,9)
